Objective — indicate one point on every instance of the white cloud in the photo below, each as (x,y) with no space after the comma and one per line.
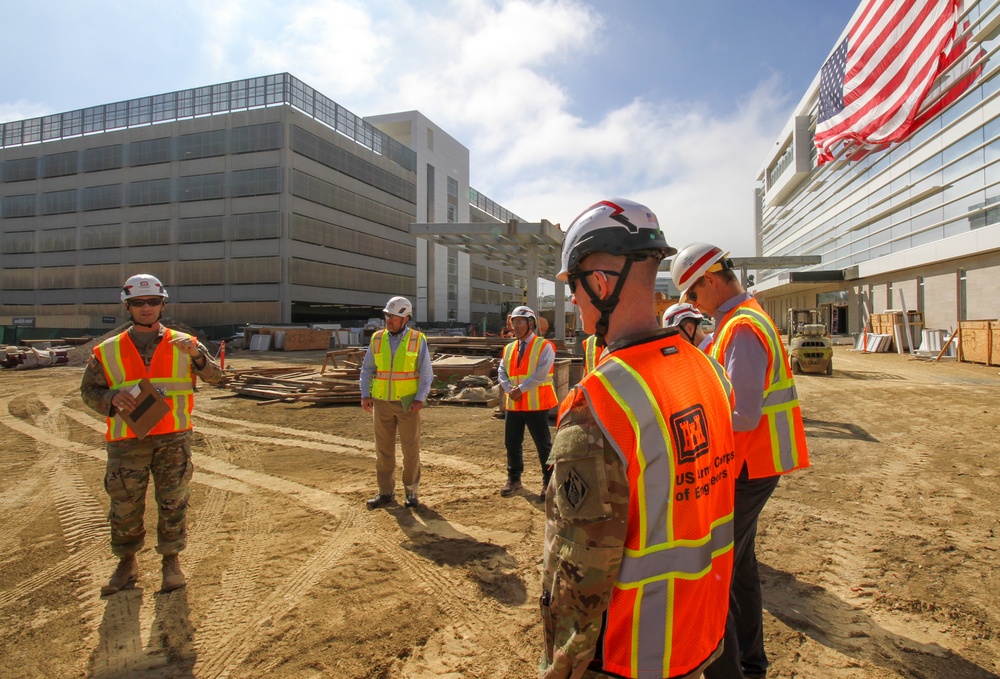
(22,110)
(484,71)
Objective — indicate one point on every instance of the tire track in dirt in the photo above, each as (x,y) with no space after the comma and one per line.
(472,617)
(81,518)
(223,646)
(326,442)
(226,638)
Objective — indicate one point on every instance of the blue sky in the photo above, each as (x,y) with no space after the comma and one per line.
(561,102)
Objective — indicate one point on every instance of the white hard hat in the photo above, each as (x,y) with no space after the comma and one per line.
(399,306)
(694,261)
(678,312)
(523,312)
(617,226)
(143,285)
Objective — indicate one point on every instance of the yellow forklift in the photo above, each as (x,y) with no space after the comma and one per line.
(810,347)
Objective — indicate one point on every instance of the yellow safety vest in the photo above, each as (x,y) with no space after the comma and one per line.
(590,354)
(396,376)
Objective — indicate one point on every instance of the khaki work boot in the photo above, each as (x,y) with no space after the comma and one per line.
(173,577)
(124,576)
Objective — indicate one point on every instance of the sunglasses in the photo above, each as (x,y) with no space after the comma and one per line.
(580,275)
(154,302)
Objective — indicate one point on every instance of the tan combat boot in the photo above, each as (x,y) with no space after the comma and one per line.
(124,576)
(173,577)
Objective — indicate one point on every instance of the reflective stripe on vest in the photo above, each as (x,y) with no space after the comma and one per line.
(543,396)
(169,372)
(396,375)
(672,429)
(777,445)
(590,353)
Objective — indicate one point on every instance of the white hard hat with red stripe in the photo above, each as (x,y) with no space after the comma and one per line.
(678,312)
(143,285)
(694,261)
(523,312)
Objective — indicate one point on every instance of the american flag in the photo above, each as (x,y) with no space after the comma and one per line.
(888,77)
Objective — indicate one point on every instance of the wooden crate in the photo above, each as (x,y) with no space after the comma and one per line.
(976,341)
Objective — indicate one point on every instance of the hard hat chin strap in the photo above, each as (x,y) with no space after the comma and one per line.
(146,325)
(606,306)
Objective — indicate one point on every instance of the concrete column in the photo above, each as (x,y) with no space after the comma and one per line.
(532,282)
(560,293)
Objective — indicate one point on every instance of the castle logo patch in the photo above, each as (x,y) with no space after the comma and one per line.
(690,428)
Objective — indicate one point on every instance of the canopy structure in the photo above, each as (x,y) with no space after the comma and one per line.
(532,247)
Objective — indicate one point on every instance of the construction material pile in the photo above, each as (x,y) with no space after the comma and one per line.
(21,358)
(338,381)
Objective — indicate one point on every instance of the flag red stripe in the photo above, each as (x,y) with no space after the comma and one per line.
(894,82)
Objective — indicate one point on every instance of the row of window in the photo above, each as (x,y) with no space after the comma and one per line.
(325,234)
(336,158)
(337,197)
(246,139)
(237,184)
(323,275)
(216,228)
(242,271)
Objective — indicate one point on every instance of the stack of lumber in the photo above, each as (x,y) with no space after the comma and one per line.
(296,384)
(340,383)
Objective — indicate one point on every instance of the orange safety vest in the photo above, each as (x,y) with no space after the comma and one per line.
(590,355)
(396,375)
(544,396)
(666,409)
(778,444)
(169,372)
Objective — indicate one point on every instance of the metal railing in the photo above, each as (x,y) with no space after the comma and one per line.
(271,90)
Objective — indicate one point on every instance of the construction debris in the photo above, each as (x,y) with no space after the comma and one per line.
(21,358)
(473,390)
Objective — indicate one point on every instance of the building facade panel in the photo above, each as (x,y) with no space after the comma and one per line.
(255,200)
(905,218)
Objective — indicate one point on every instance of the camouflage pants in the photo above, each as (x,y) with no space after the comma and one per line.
(130,462)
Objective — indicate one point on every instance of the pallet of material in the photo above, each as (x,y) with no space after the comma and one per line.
(874,343)
(450,369)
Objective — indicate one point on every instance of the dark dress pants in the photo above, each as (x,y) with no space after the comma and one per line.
(744,647)
(537,422)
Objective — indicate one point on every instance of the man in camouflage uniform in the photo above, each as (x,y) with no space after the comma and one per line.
(166,451)
(638,537)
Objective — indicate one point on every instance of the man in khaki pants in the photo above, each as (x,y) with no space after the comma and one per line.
(396,378)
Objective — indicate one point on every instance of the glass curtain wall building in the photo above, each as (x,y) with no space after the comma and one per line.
(258,200)
(916,226)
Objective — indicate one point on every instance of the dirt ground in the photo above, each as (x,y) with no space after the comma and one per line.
(880,561)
